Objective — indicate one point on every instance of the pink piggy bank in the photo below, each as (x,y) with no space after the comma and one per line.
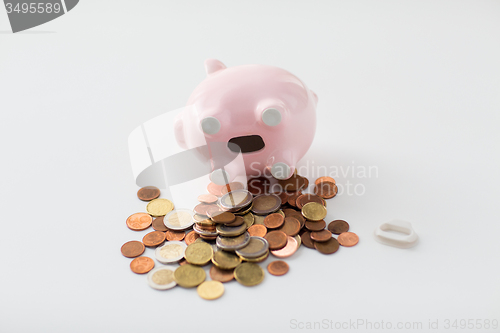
(265,112)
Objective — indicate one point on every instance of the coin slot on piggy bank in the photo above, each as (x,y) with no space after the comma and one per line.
(264,112)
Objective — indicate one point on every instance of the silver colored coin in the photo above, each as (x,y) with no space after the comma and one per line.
(265,204)
(249,219)
(235,200)
(162,278)
(172,251)
(233,243)
(256,247)
(244,210)
(179,219)
(227,231)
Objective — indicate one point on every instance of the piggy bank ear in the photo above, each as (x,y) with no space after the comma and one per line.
(213,65)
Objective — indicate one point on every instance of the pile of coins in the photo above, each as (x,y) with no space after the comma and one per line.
(234,227)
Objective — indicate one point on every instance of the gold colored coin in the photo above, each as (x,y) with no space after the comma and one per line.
(249,219)
(189,276)
(159,207)
(199,253)
(249,274)
(259,219)
(210,290)
(298,239)
(225,260)
(314,211)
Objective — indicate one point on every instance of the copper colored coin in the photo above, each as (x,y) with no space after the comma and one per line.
(324,179)
(158,224)
(293,198)
(148,193)
(142,265)
(298,215)
(305,198)
(306,183)
(306,240)
(232,187)
(290,248)
(277,268)
(173,235)
(221,275)
(290,211)
(139,221)
(182,262)
(315,225)
(208,237)
(276,239)
(328,247)
(191,237)
(326,190)
(291,227)
(204,209)
(338,226)
(293,183)
(274,221)
(225,217)
(348,239)
(238,220)
(216,210)
(258,186)
(153,238)
(207,198)
(321,236)
(215,189)
(204,227)
(257,230)
(284,197)
(301,219)
(132,249)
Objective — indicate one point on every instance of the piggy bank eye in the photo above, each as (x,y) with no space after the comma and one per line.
(271,117)
(210,125)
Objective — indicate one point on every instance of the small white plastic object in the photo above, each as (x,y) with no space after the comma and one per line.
(405,239)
